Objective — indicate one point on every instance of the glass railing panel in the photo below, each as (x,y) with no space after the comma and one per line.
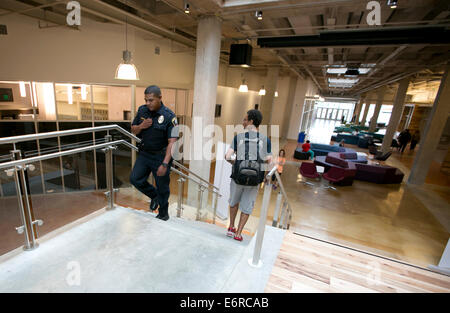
(57,208)
(9,215)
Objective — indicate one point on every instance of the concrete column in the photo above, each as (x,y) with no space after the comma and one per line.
(206,77)
(289,105)
(358,108)
(366,111)
(433,131)
(270,85)
(376,113)
(396,114)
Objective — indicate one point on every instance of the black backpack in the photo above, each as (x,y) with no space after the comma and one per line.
(248,171)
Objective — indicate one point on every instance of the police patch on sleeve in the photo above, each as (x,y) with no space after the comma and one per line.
(174,121)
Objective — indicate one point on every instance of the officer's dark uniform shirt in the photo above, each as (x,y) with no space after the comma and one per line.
(165,126)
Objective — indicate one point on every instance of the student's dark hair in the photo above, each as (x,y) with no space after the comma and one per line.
(255,116)
(307,141)
(284,152)
(153,90)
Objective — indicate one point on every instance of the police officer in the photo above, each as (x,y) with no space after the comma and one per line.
(157,126)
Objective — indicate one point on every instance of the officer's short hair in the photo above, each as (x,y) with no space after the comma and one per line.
(255,116)
(153,90)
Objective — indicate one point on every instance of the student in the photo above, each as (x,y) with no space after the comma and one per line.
(252,150)
(414,140)
(403,138)
(306,147)
(281,160)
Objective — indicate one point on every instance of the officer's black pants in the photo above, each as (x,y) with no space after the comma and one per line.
(149,163)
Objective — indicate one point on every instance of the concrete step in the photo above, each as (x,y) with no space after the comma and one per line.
(125,250)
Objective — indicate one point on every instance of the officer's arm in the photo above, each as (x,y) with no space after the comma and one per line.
(169,150)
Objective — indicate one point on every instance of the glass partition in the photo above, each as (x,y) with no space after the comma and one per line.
(80,198)
(9,215)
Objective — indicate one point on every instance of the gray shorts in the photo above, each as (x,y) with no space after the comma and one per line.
(244,195)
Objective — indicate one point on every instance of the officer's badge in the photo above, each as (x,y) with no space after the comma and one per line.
(161,119)
(174,121)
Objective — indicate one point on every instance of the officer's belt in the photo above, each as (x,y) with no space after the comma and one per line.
(163,151)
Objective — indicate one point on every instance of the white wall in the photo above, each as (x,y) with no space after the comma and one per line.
(90,55)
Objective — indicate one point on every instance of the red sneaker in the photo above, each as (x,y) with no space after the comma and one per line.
(231,231)
(238,238)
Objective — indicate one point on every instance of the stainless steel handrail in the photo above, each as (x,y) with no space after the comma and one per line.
(69,132)
(63,153)
(197,176)
(255,261)
(197,182)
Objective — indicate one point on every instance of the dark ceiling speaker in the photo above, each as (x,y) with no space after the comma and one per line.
(3,30)
(240,55)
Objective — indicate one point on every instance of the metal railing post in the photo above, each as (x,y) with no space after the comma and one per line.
(215,199)
(277,209)
(256,262)
(25,207)
(15,154)
(181,181)
(109,173)
(283,214)
(201,189)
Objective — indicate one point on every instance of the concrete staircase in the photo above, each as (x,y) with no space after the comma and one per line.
(126,250)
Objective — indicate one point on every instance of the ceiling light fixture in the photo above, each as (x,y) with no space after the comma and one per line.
(186,8)
(258,15)
(23,92)
(276,94)
(392,3)
(262,91)
(243,87)
(126,70)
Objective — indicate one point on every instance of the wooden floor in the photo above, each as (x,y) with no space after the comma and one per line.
(309,265)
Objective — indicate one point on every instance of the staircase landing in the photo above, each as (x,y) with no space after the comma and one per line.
(125,250)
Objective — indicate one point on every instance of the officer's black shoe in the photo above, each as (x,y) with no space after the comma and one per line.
(154,204)
(163,217)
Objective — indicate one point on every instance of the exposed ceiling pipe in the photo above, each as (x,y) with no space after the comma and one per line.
(34,8)
(156,29)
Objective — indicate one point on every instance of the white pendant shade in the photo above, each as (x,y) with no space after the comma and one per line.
(262,92)
(127,72)
(276,94)
(243,88)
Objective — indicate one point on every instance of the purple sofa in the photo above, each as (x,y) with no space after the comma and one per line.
(333,159)
(379,174)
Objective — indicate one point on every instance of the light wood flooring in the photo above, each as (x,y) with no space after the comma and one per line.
(309,265)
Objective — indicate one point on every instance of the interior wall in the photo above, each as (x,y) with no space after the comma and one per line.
(88,55)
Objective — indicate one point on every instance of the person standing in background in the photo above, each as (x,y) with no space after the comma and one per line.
(403,138)
(414,140)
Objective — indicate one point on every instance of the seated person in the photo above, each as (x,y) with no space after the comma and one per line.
(306,147)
